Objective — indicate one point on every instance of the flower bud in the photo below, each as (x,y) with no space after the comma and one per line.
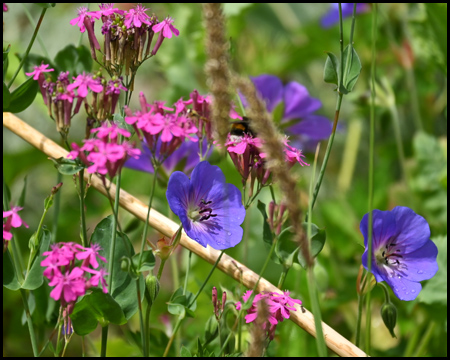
(389,316)
(152,284)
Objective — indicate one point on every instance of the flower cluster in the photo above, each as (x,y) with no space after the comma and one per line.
(164,129)
(248,157)
(299,120)
(64,98)
(71,281)
(402,252)
(13,220)
(127,35)
(209,209)
(279,306)
(103,154)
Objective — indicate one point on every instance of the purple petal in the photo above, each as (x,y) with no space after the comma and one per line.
(378,276)
(203,179)
(404,289)
(178,193)
(297,102)
(270,89)
(413,231)
(384,227)
(143,163)
(316,127)
(421,264)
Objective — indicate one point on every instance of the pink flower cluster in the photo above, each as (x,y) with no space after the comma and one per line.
(164,129)
(103,154)
(60,96)
(13,220)
(248,158)
(71,281)
(129,32)
(279,306)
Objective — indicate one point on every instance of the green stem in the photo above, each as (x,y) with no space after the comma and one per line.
(358,320)
(114,234)
(144,235)
(141,320)
(28,48)
(175,330)
(371,175)
(231,333)
(187,273)
(398,137)
(82,213)
(421,350)
(282,277)
(39,38)
(29,322)
(56,204)
(161,267)
(104,341)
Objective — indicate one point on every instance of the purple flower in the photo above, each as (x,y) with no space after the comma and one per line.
(332,16)
(210,210)
(402,252)
(305,128)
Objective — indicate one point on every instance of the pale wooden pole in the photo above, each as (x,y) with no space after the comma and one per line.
(335,341)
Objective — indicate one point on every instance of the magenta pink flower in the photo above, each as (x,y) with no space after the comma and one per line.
(137,16)
(68,287)
(99,276)
(89,255)
(13,218)
(38,70)
(110,131)
(85,82)
(279,305)
(105,10)
(167,28)
(79,21)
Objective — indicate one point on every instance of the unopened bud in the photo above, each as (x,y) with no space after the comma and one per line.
(152,284)
(125,264)
(214,299)
(224,300)
(389,316)
(56,188)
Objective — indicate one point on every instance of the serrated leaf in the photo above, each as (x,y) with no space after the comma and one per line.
(330,71)
(35,277)
(67,166)
(267,233)
(23,96)
(353,69)
(93,308)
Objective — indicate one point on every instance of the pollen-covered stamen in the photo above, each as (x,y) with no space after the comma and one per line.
(390,256)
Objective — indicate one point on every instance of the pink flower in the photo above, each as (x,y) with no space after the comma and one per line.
(111,131)
(79,21)
(38,70)
(105,10)
(84,82)
(137,16)
(167,28)
(68,287)
(89,255)
(7,235)
(99,276)
(13,218)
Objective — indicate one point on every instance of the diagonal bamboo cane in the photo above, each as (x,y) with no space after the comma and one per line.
(335,341)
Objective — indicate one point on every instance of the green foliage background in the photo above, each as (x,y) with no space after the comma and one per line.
(285,40)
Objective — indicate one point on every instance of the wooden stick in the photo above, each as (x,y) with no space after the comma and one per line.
(159,222)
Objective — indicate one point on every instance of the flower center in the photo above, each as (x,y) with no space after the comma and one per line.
(202,212)
(389,255)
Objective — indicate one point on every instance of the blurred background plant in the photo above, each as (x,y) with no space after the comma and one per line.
(286,40)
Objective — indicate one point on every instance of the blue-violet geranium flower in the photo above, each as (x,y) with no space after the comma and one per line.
(402,252)
(210,210)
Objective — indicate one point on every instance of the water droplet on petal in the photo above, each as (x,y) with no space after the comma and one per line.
(407,293)
(399,277)
(229,234)
(413,291)
(420,272)
(404,289)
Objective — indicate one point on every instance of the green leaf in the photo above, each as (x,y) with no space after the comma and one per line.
(6,97)
(437,21)
(5,67)
(123,286)
(330,71)
(267,233)
(9,274)
(93,308)
(67,166)
(286,248)
(35,277)
(148,261)
(6,52)
(23,96)
(75,60)
(353,70)
(318,237)
(184,352)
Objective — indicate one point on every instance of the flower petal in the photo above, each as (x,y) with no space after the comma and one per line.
(421,264)
(178,193)
(316,127)
(413,230)
(404,289)
(270,89)
(297,102)
(204,177)
(384,227)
